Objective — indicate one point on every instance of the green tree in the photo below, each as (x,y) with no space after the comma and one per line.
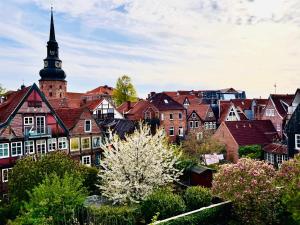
(124,90)
(250,151)
(2,90)
(55,201)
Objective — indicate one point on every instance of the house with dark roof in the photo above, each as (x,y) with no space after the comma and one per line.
(276,110)
(258,106)
(234,134)
(28,126)
(275,153)
(228,111)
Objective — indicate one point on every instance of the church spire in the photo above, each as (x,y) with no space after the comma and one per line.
(52,64)
(52,31)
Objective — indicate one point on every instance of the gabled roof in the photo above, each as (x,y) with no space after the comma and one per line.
(125,106)
(243,104)
(261,101)
(276,148)
(163,102)
(92,105)
(201,110)
(281,103)
(70,116)
(252,132)
(13,101)
(101,90)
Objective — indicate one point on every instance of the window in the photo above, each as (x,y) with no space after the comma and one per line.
(206,125)
(28,147)
(171,116)
(214,125)
(86,143)
(180,116)
(199,136)
(180,131)
(231,116)
(193,115)
(41,146)
(270,158)
(16,148)
(5,173)
(62,143)
(75,145)
(87,126)
(4,150)
(86,160)
(52,144)
(191,124)
(297,141)
(196,124)
(148,115)
(28,121)
(278,127)
(270,112)
(279,159)
(210,114)
(210,125)
(171,131)
(40,125)
(162,116)
(96,142)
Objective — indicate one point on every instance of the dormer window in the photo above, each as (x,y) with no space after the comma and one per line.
(87,126)
(193,115)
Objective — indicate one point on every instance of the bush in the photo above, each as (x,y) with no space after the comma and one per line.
(164,202)
(219,215)
(112,215)
(197,197)
(250,185)
(251,151)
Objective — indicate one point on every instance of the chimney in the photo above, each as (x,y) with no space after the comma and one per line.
(151,94)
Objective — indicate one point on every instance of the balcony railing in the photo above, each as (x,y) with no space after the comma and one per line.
(36,132)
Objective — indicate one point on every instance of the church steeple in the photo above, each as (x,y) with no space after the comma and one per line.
(52,82)
(52,64)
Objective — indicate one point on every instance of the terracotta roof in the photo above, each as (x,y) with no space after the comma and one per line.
(101,90)
(280,101)
(276,148)
(74,95)
(164,102)
(91,105)
(224,110)
(70,116)
(65,103)
(9,106)
(243,104)
(125,106)
(201,110)
(252,132)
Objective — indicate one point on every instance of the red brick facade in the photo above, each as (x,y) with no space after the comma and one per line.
(53,89)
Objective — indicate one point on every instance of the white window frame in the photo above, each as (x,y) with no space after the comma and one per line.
(297,141)
(18,146)
(7,148)
(191,124)
(84,158)
(206,125)
(77,149)
(85,123)
(180,132)
(29,147)
(171,128)
(52,144)
(83,138)
(2,174)
(196,123)
(26,122)
(171,116)
(41,142)
(40,127)
(63,141)
(162,116)
(199,136)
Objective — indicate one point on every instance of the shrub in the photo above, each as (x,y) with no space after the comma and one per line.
(251,151)
(250,184)
(197,197)
(219,215)
(164,202)
(112,215)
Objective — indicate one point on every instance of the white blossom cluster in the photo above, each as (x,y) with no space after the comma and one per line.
(133,167)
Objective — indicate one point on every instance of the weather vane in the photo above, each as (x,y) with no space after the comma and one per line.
(275,86)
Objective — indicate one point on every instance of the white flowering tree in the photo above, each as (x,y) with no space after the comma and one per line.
(133,167)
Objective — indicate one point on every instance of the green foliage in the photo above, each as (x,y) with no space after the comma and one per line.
(289,179)
(124,90)
(212,216)
(2,90)
(164,202)
(55,201)
(250,185)
(251,151)
(90,175)
(197,197)
(113,215)
(185,163)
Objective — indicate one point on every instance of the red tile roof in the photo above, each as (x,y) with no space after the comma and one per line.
(224,107)
(276,148)
(101,90)
(243,104)
(91,105)
(70,116)
(202,110)
(252,132)
(9,106)
(65,103)
(125,106)
(280,101)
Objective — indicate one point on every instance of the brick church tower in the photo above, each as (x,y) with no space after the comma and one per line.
(52,82)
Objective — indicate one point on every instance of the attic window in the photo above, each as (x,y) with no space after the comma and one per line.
(166,101)
(35,104)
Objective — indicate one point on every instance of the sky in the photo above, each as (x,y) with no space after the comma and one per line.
(161,44)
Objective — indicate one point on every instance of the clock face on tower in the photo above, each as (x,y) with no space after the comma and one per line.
(45,63)
(52,52)
(57,64)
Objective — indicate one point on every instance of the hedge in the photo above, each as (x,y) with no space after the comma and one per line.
(112,215)
(197,197)
(219,215)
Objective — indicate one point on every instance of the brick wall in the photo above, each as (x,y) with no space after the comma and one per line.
(223,136)
(53,89)
(276,120)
